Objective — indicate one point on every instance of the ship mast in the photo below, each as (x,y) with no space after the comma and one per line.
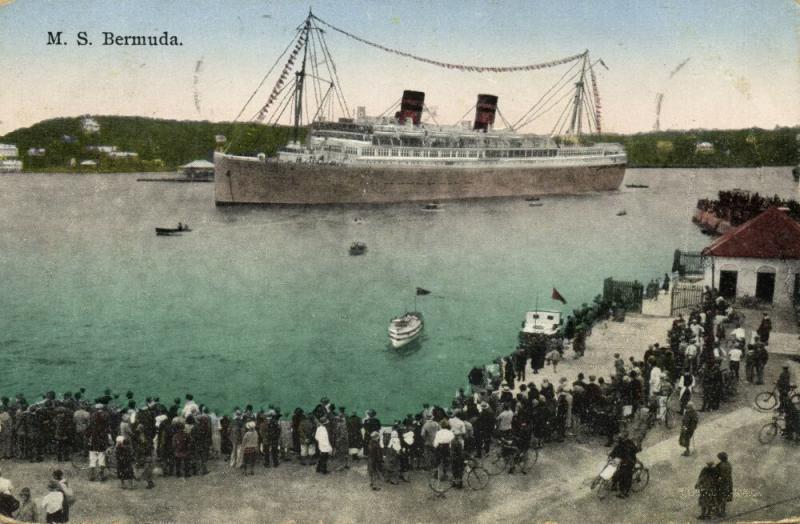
(577,103)
(300,77)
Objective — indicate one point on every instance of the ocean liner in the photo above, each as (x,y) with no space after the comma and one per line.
(401,158)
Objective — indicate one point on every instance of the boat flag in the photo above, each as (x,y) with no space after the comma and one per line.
(557,296)
(421,291)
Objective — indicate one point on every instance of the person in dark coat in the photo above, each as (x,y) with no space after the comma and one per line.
(8,504)
(706,489)
(625,450)
(688,426)
(724,491)
(124,455)
(374,459)
(764,329)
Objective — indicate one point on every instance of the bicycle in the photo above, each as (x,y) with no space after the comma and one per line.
(769,400)
(507,456)
(476,476)
(769,431)
(641,477)
(661,403)
(602,484)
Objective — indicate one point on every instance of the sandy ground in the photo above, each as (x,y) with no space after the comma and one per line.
(556,490)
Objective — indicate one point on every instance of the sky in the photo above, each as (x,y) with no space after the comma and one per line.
(743,66)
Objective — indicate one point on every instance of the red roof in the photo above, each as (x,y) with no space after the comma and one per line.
(772,234)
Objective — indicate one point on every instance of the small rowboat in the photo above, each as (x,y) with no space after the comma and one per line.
(405,329)
(358,248)
(170,231)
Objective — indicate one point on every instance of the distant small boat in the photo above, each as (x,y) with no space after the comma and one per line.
(167,231)
(637,186)
(622,213)
(405,329)
(535,204)
(432,206)
(358,248)
(531,199)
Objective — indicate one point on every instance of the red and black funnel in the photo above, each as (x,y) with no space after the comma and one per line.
(411,107)
(484,112)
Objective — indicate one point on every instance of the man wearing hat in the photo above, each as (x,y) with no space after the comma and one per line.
(764,329)
(724,491)
(428,434)
(374,459)
(784,385)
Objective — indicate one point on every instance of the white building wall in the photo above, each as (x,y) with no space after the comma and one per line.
(748,268)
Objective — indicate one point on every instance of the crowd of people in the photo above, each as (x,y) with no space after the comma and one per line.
(505,408)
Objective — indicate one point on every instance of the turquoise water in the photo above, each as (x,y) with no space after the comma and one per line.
(262,305)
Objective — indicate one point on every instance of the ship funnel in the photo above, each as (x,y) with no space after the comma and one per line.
(411,107)
(484,112)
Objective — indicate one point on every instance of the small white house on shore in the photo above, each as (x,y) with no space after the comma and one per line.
(760,258)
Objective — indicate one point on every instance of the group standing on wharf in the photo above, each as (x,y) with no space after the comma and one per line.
(506,411)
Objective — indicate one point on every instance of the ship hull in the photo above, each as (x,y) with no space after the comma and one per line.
(246,180)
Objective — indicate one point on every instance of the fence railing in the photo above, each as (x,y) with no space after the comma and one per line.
(624,294)
(687,263)
(685,296)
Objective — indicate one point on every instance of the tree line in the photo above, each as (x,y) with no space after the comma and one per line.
(166,144)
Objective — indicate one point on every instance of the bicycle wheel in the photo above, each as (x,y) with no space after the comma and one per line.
(602,488)
(669,418)
(641,477)
(768,433)
(439,484)
(524,460)
(495,463)
(766,401)
(478,478)
(533,456)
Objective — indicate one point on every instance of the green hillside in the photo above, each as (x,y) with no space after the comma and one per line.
(729,148)
(162,145)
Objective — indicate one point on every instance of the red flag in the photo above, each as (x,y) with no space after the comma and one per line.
(557,296)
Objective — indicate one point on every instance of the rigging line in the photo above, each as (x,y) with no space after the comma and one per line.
(391,107)
(590,117)
(314,68)
(330,66)
(542,112)
(596,92)
(277,94)
(592,112)
(460,67)
(465,114)
(565,85)
(431,115)
(563,112)
(545,93)
(257,89)
(340,95)
(504,119)
(261,84)
(285,102)
(321,106)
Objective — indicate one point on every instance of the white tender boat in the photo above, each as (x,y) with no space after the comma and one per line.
(405,329)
